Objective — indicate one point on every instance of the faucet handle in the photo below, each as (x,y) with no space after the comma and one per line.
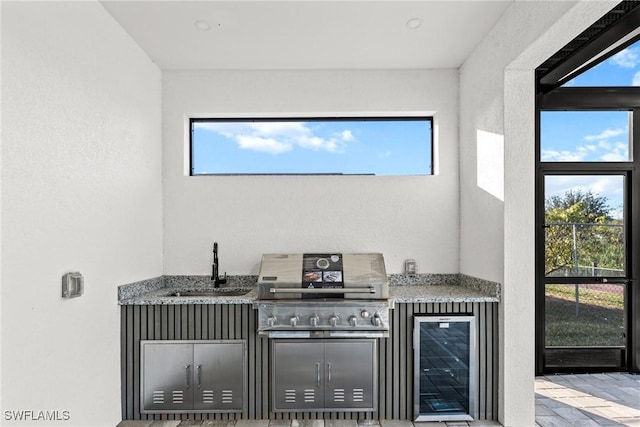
(223,279)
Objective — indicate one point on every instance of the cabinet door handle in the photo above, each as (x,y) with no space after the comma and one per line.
(187,369)
(198,375)
(318,377)
(329,369)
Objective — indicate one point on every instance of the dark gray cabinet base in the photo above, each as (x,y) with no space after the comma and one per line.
(224,322)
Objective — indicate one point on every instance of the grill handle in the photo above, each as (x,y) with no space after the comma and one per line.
(367,290)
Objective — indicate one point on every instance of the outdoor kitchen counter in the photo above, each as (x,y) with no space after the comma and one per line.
(421,288)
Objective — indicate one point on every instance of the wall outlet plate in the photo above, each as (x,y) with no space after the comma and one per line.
(410,267)
(72,285)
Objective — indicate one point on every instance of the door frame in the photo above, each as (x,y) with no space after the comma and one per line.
(592,99)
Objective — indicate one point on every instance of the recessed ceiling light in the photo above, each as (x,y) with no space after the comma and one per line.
(414,23)
(202,25)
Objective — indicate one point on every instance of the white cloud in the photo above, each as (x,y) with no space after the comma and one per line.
(605,134)
(636,79)
(267,145)
(347,135)
(280,129)
(617,153)
(605,150)
(562,156)
(384,155)
(277,137)
(626,58)
(613,157)
(316,143)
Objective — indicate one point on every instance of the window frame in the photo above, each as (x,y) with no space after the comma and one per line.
(428,118)
(591,99)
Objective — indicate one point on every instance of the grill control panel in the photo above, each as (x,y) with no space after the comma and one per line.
(327,318)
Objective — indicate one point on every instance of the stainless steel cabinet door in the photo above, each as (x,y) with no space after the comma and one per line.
(350,375)
(167,377)
(324,375)
(218,376)
(298,375)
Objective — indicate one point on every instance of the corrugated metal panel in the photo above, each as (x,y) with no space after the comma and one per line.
(219,321)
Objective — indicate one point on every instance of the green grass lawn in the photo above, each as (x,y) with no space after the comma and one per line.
(599,322)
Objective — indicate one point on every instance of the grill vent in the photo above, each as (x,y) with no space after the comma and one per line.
(158,397)
(227,396)
(338,395)
(290,396)
(309,395)
(177,396)
(207,397)
(358,395)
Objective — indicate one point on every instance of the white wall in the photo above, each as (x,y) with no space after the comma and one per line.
(81,190)
(497,238)
(402,217)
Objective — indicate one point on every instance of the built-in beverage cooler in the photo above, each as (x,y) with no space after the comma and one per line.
(445,379)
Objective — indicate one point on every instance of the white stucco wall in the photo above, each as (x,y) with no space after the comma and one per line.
(402,217)
(81,190)
(497,236)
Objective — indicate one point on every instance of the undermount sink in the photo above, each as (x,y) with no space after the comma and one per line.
(215,292)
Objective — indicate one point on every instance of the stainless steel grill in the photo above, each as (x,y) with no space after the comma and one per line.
(323,295)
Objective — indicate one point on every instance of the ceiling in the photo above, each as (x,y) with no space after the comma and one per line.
(307,34)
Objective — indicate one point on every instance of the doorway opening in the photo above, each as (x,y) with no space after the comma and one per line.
(588,200)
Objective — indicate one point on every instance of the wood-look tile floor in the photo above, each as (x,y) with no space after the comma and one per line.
(588,400)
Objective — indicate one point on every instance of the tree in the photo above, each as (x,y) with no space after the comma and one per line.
(581,233)
(585,207)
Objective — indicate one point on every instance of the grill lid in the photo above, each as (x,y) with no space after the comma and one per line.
(323,275)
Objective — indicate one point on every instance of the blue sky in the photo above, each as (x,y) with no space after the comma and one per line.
(592,136)
(350,147)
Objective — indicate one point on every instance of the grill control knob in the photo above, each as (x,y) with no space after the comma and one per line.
(271,320)
(353,320)
(313,320)
(293,320)
(333,320)
(365,314)
(376,320)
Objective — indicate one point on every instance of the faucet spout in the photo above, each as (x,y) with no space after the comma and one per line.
(215,276)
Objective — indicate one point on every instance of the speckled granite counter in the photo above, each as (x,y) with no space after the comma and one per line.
(421,288)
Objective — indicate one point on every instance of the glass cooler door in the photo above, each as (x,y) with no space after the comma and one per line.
(444,368)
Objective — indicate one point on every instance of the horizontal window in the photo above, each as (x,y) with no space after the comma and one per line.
(349,146)
(584,136)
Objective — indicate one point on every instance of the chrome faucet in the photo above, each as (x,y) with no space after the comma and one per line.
(217,280)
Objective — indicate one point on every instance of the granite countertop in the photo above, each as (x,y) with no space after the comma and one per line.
(421,288)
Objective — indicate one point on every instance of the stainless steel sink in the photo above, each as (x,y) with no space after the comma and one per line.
(216,292)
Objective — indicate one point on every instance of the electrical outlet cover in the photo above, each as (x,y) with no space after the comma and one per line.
(72,285)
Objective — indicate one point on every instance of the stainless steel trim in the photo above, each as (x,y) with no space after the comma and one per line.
(364,290)
(324,334)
